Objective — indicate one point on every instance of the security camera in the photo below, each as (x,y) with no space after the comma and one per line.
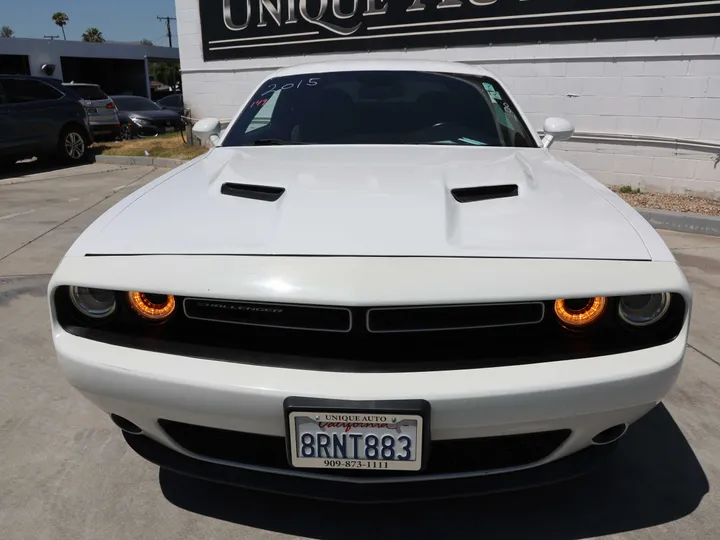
(48,69)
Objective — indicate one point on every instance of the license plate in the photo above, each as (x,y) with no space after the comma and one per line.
(92,110)
(356,440)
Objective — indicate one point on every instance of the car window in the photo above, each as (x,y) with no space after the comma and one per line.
(2,94)
(264,113)
(381,107)
(171,101)
(89,92)
(29,91)
(135,104)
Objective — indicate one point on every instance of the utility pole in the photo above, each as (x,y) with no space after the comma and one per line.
(51,38)
(169,28)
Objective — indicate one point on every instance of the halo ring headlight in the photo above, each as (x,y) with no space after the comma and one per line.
(153,307)
(93,303)
(580,313)
(643,309)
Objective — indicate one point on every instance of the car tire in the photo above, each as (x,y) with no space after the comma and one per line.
(126,133)
(73,145)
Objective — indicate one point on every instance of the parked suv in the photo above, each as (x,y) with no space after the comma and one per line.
(101,110)
(40,117)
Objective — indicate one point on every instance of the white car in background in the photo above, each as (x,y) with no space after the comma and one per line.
(386,288)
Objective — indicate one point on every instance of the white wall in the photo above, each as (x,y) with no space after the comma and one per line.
(668,88)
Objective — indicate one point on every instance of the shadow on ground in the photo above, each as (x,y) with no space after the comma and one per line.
(24,168)
(653,478)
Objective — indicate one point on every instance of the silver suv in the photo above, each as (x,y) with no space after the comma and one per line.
(101,110)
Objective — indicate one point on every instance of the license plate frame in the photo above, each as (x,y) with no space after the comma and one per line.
(415,407)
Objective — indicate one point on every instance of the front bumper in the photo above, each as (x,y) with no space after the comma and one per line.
(370,493)
(585,396)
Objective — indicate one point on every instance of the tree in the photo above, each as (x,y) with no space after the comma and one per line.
(165,72)
(61,19)
(146,42)
(6,32)
(93,35)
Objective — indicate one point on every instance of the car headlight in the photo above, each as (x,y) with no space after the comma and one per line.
(643,309)
(93,303)
(155,307)
(138,121)
(579,313)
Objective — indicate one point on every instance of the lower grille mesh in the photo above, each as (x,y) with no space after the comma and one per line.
(451,456)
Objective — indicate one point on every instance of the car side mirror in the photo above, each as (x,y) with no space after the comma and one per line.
(208,130)
(557,129)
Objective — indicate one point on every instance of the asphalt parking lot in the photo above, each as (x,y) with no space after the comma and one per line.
(67,474)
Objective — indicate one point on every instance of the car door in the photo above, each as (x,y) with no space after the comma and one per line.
(32,110)
(6,127)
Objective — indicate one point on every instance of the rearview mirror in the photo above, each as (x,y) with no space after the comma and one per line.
(208,130)
(557,129)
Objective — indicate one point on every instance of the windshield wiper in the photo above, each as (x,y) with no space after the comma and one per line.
(274,142)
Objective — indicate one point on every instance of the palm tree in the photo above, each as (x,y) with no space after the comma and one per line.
(93,35)
(6,32)
(61,19)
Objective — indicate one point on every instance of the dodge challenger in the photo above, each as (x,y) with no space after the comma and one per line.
(378,284)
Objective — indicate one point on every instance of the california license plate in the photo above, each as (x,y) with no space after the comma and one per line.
(360,440)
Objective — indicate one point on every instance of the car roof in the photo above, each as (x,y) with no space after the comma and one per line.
(383,65)
(51,80)
(122,96)
(80,84)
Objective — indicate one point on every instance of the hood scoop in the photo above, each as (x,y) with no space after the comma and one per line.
(484,193)
(256,193)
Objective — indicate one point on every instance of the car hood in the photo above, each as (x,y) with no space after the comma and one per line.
(370,201)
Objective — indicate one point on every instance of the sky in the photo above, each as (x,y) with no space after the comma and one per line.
(118,20)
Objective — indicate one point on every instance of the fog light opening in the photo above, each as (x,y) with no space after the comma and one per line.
(126,425)
(610,435)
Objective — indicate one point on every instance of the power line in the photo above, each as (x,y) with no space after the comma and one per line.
(169,27)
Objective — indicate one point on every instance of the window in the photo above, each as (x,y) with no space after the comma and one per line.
(381,107)
(171,101)
(135,104)
(88,91)
(29,91)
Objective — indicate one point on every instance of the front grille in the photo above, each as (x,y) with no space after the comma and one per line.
(465,317)
(297,317)
(373,339)
(446,457)
(375,320)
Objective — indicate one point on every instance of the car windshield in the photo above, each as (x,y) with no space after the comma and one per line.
(135,104)
(380,107)
(88,92)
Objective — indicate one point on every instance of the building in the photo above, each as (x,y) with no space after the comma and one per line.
(117,67)
(640,79)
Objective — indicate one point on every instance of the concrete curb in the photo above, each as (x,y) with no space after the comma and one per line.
(682,222)
(140,160)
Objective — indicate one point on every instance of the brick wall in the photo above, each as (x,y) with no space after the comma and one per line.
(659,88)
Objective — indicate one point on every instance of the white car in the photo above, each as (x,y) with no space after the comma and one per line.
(379,284)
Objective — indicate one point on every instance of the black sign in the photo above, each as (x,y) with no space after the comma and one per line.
(257,28)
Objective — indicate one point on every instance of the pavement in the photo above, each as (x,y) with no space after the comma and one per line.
(67,474)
